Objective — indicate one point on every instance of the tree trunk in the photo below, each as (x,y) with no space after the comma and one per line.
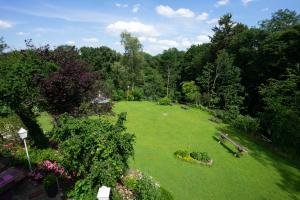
(34,130)
(168,81)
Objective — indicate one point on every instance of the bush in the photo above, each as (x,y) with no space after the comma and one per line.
(118,95)
(49,181)
(137,94)
(205,157)
(200,156)
(181,153)
(164,101)
(146,188)
(130,182)
(4,110)
(96,150)
(246,123)
(196,155)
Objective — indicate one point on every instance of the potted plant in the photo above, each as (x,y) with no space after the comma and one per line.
(50,185)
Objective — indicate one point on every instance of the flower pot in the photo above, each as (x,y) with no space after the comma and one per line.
(51,190)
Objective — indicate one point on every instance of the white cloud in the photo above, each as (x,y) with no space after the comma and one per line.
(119,5)
(5,24)
(132,27)
(265,9)
(170,12)
(22,33)
(212,21)
(90,39)
(245,2)
(202,16)
(222,3)
(136,8)
(202,39)
(70,42)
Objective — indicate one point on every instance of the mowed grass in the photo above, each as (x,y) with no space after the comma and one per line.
(161,130)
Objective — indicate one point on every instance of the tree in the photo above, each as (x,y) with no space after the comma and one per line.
(191,92)
(282,110)
(281,20)
(3,45)
(18,69)
(73,83)
(101,58)
(224,32)
(170,67)
(132,59)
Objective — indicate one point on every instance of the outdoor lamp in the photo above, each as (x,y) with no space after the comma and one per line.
(23,135)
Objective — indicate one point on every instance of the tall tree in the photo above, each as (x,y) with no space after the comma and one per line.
(3,45)
(73,83)
(170,67)
(281,20)
(133,58)
(281,118)
(18,69)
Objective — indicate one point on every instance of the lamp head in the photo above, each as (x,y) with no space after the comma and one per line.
(22,133)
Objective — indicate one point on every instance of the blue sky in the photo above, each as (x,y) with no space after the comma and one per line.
(159,24)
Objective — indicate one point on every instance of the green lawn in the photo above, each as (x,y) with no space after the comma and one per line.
(161,130)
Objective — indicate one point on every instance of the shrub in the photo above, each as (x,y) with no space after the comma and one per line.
(118,95)
(146,188)
(130,182)
(164,101)
(205,157)
(200,156)
(49,181)
(83,191)
(137,93)
(246,123)
(4,110)
(196,155)
(94,149)
(181,153)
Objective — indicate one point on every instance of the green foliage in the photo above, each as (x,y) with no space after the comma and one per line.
(132,59)
(191,92)
(281,20)
(130,182)
(83,191)
(94,148)
(164,101)
(196,155)
(137,93)
(118,95)
(9,126)
(49,181)
(181,153)
(193,156)
(246,124)
(281,118)
(147,188)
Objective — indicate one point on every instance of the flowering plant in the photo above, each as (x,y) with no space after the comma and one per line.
(47,167)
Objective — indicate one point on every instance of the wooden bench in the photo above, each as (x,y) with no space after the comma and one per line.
(223,137)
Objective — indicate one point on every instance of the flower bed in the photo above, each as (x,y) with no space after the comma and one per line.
(194,157)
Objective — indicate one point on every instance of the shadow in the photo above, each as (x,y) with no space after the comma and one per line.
(229,150)
(264,154)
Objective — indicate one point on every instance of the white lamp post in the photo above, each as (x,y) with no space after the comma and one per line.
(23,135)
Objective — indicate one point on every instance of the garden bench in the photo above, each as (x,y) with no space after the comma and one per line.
(223,137)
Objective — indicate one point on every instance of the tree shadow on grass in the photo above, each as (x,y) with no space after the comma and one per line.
(287,169)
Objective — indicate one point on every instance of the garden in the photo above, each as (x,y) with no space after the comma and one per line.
(217,121)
